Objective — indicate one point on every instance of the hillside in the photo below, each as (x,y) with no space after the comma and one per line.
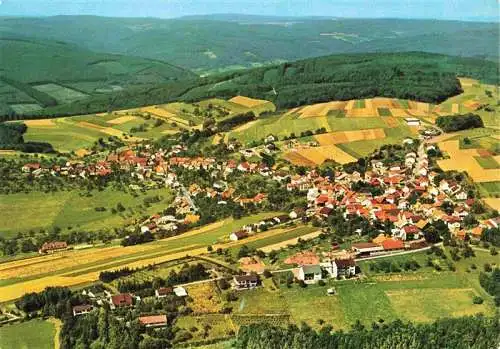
(35,73)
(211,43)
(416,76)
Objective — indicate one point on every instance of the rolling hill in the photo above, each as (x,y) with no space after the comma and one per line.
(36,73)
(211,43)
(417,76)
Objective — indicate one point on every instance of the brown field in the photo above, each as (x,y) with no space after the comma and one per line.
(381,102)
(297,159)
(317,155)
(361,113)
(121,120)
(350,136)
(40,123)
(464,160)
(247,101)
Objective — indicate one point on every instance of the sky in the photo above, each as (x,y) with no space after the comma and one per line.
(479,10)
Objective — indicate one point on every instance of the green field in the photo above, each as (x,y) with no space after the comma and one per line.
(489,189)
(384,112)
(220,326)
(25,107)
(423,295)
(488,162)
(32,334)
(60,93)
(70,209)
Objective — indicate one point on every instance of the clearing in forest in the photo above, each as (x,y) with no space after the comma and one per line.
(247,101)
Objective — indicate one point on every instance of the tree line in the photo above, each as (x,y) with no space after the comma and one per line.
(477,332)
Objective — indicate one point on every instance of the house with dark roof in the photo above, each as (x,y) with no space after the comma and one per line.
(238,235)
(163,292)
(54,246)
(82,309)
(243,282)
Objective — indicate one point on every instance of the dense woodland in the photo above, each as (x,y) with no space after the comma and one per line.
(459,122)
(11,137)
(417,76)
(467,332)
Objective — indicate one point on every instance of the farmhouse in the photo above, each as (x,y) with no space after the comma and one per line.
(82,309)
(242,282)
(310,274)
(180,291)
(412,121)
(339,267)
(163,292)
(122,300)
(238,235)
(153,320)
(54,246)
(366,248)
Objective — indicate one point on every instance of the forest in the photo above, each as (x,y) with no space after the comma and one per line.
(460,333)
(459,122)
(11,137)
(417,76)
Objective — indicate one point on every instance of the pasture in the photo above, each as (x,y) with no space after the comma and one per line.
(209,326)
(36,333)
(75,209)
(60,93)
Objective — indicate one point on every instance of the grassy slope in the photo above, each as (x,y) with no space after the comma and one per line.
(31,334)
(63,209)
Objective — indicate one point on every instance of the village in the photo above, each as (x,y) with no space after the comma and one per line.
(396,201)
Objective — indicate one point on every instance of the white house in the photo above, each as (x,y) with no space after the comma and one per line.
(180,291)
(339,267)
(310,274)
(412,121)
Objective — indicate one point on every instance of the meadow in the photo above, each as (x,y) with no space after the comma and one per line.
(36,333)
(422,296)
(63,209)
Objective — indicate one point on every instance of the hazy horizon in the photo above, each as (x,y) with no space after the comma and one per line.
(464,10)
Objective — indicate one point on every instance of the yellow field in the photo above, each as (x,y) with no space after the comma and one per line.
(247,102)
(107,130)
(494,203)
(464,160)
(89,263)
(121,120)
(317,155)
(40,123)
(205,298)
(164,114)
(350,136)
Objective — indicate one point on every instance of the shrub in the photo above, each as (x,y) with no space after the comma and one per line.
(477,300)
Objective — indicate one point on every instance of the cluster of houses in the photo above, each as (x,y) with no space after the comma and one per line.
(409,198)
(264,224)
(127,300)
